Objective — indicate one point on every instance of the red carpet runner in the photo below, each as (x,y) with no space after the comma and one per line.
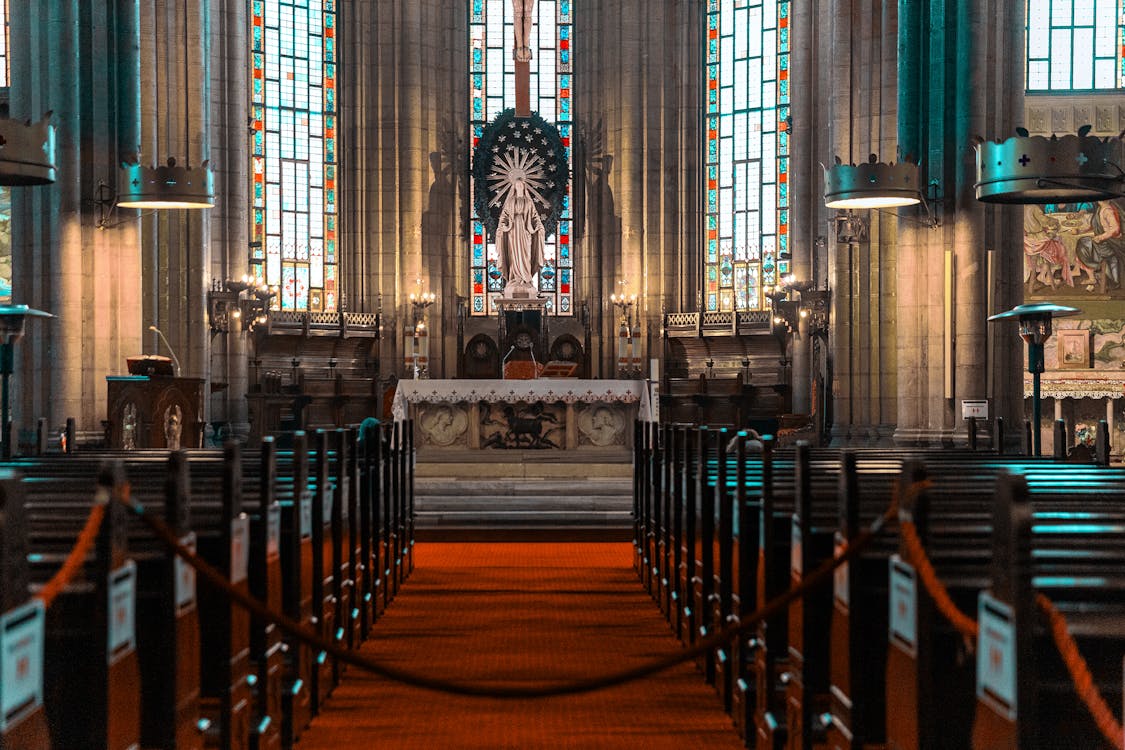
(510,613)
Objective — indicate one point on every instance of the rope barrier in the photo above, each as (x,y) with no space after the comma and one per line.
(916,556)
(214,578)
(1076,665)
(1080,674)
(81,548)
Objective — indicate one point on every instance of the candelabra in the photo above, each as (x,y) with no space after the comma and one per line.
(419,359)
(238,304)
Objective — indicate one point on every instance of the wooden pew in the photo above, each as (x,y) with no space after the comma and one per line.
(90,651)
(21,628)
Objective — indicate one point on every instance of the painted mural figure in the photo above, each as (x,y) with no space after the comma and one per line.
(1100,252)
(1043,249)
(523,11)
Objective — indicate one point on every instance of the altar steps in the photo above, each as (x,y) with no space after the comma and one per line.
(523,500)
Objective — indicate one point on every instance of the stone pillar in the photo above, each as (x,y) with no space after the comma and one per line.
(175,116)
(965,82)
(404,166)
(230,218)
(80,60)
(638,85)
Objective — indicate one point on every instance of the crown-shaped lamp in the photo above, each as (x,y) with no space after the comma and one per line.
(1036,169)
(170,186)
(27,152)
(871,185)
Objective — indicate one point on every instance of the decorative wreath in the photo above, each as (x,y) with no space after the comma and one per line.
(527,148)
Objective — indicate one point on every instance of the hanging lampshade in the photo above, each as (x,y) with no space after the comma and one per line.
(1037,169)
(871,185)
(27,152)
(170,186)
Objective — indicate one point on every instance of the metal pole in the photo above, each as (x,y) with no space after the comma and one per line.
(1036,432)
(1035,367)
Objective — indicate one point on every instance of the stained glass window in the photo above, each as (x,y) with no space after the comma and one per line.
(747,152)
(5,57)
(1075,45)
(293,152)
(492,89)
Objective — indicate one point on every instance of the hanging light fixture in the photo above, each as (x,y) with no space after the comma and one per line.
(169,186)
(871,185)
(27,152)
(1036,169)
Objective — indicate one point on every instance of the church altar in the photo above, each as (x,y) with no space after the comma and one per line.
(548,413)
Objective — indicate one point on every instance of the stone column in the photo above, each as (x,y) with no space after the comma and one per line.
(639,96)
(175,109)
(404,166)
(80,60)
(230,218)
(965,82)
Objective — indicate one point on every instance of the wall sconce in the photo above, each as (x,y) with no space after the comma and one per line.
(814,308)
(628,356)
(238,304)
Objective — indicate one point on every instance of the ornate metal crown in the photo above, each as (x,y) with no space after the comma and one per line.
(873,184)
(169,186)
(27,152)
(1037,169)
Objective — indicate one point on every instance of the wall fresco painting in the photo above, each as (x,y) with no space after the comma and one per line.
(1074,251)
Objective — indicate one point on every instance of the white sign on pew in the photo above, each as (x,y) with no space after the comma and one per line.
(185,576)
(239,548)
(273,532)
(21,662)
(840,578)
(122,611)
(306,513)
(904,606)
(996,656)
(796,556)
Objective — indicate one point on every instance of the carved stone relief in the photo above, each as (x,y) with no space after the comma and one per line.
(535,425)
(443,425)
(601,425)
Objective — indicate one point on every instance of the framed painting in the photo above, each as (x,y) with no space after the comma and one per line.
(1074,349)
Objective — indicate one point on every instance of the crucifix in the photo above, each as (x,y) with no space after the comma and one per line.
(523,10)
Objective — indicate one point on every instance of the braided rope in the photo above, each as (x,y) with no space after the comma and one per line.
(916,556)
(77,555)
(213,577)
(1080,674)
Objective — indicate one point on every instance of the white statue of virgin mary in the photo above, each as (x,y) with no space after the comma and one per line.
(519,241)
(518,177)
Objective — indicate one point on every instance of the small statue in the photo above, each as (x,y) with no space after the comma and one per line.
(129,427)
(173,418)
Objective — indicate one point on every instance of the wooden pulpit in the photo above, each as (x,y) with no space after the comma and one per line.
(154,411)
